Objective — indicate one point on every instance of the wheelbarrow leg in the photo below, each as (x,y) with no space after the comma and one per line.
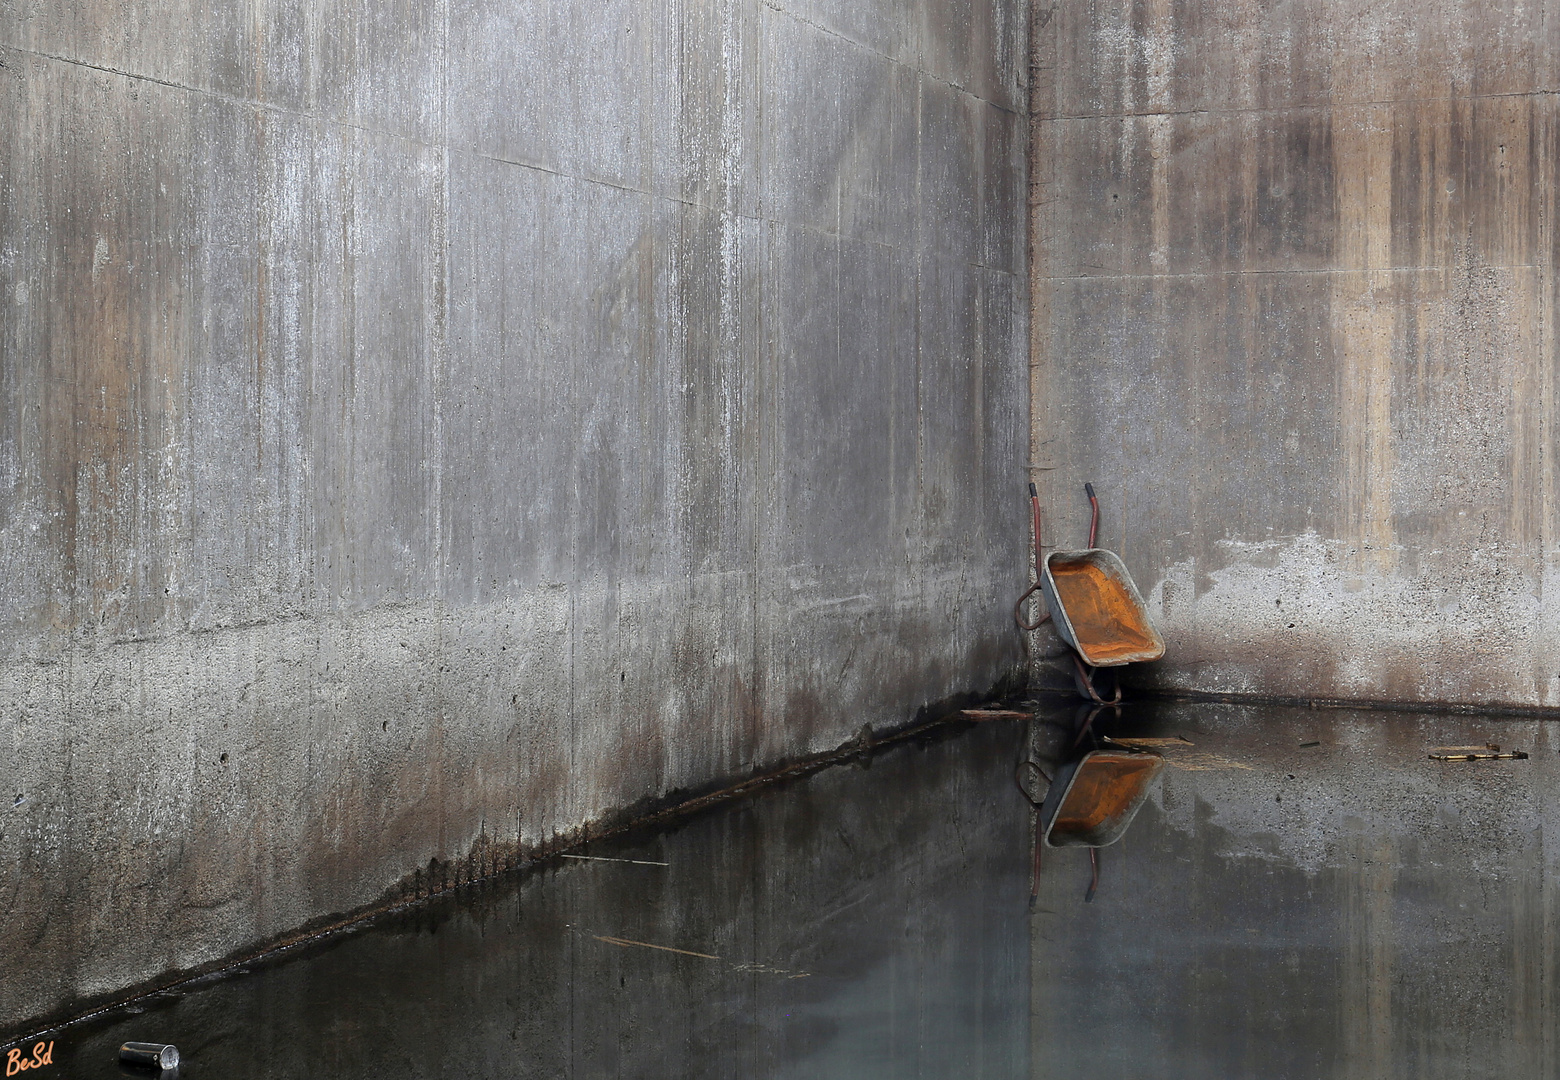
(1085,683)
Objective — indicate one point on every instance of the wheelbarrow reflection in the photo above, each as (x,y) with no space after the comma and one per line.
(1092,794)
(1093,800)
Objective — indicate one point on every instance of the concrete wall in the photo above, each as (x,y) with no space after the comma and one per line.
(427,429)
(1295,288)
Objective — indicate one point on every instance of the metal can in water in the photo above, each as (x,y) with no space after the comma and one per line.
(157,1055)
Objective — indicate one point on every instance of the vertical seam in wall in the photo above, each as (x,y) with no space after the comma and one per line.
(265,177)
(573,786)
(1543,119)
(913,550)
(730,326)
(750,754)
(435,438)
(440,357)
(577,812)
(978,274)
(1035,381)
(762,355)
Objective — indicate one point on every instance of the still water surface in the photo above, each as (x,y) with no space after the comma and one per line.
(1304,894)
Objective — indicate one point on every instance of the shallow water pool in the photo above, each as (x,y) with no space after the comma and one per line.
(1304,894)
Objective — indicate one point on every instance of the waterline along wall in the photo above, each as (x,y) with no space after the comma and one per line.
(428,429)
(1295,310)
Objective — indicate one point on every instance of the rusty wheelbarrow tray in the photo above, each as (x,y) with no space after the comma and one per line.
(1097,608)
(1095,798)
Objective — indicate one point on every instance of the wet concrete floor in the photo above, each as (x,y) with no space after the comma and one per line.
(1304,894)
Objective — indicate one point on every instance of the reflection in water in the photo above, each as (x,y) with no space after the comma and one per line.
(1085,787)
(857,923)
(1302,894)
(1095,798)
(1307,894)
(1094,792)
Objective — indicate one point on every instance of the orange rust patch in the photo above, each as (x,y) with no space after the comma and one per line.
(1104,616)
(1106,787)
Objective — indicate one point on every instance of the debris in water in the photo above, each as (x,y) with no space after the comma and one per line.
(1487,752)
(995,714)
(625,942)
(763,969)
(153,1055)
(603,858)
(1177,754)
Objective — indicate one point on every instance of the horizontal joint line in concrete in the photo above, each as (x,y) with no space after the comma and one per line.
(411,140)
(1462,708)
(1319,272)
(772,6)
(1299,106)
(232,99)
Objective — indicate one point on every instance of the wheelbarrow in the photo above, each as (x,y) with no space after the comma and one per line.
(1091,597)
(1097,609)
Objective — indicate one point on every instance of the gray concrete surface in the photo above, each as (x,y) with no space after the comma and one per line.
(1295,318)
(428,429)
(1344,908)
